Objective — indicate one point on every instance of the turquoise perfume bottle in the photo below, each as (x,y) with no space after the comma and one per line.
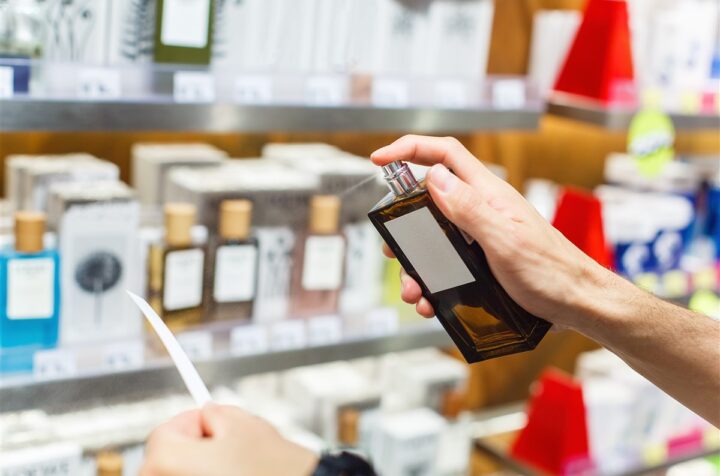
(29,295)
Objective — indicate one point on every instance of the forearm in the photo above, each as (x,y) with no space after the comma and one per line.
(677,349)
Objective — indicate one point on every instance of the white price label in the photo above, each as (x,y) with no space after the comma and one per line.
(324,91)
(288,335)
(198,345)
(390,93)
(508,94)
(193,87)
(381,322)
(98,83)
(451,94)
(7,82)
(253,90)
(124,355)
(54,364)
(324,330)
(248,340)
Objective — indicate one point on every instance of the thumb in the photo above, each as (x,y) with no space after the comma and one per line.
(215,420)
(460,203)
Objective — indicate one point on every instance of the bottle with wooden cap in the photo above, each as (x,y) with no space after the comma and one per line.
(235,263)
(30,294)
(109,463)
(177,270)
(319,263)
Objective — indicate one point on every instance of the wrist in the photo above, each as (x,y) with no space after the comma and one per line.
(606,307)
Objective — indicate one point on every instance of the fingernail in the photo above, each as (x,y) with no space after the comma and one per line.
(441,177)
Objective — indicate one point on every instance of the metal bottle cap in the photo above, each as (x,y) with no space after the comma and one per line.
(399,178)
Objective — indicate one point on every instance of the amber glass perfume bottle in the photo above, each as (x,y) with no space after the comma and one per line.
(455,277)
(176,270)
(234,269)
(318,265)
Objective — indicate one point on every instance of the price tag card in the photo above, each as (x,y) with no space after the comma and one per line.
(248,340)
(390,93)
(451,94)
(193,87)
(324,330)
(124,355)
(54,364)
(7,82)
(253,90)
(99,83)
(325,91)
(508,94)
(381,322)
(198,345)
(288,335)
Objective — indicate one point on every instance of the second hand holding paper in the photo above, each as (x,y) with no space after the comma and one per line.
(189,374)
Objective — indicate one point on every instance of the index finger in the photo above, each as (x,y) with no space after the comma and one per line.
(187,423)
(424,150)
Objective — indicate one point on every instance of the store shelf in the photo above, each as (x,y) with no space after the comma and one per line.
(24,392)
(620,118)
(62,115)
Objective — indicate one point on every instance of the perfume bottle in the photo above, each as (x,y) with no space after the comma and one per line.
(235,263)
(453,272)
(318,266)
(176,270)
(109,463)
(30,294)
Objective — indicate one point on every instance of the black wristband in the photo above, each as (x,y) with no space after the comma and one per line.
(343,464)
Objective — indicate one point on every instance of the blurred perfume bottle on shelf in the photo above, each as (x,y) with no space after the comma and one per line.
(235,263)
(30,294)
(176,269)
(453,272)
(318,266)
(109,463)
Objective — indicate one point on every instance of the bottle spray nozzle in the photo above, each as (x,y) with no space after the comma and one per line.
(399,178)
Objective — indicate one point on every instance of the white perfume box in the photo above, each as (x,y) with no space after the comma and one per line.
(402,38)
(29,178)
(459,35)
(552,36)
(59,459)
(131,35)
(99,249)
(77,31)
(407,442)
(152,162)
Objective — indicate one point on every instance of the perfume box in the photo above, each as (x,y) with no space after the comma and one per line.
(407,442)
(459,35)
(29,178)
(62,459)
(184,31)
(320,391)
(339,173)
(131,33)
(100,260)
(151,163)
(279,194)
(63,196)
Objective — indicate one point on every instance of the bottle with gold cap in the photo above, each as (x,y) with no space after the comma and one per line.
(235,263)
(177,270)
(30,294)
(109,463)
(320,257)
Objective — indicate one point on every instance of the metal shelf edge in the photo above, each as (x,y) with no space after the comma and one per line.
(620,119)
(60,394)
(27,114)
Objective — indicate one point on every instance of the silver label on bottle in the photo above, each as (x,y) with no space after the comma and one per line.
(429,250)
